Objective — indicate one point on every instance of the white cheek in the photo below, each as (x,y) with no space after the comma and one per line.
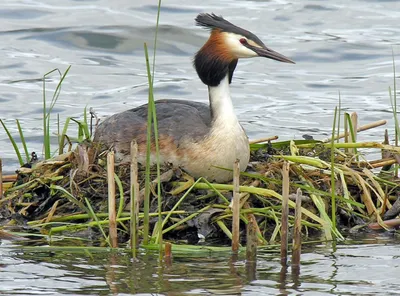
(244,52)
(237,48)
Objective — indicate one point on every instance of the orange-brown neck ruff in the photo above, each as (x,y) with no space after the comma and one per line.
(215,60)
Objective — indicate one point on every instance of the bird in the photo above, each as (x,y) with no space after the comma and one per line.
(196,137)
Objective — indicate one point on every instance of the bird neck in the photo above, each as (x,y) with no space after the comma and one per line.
(221,103)
(214,61)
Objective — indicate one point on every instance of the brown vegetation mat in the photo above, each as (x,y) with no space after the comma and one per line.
(49,197)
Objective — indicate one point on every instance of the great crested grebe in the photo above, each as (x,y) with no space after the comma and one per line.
(192,135)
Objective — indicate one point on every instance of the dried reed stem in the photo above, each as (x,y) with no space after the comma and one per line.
(251,249)
(10,178)
(251,239)
(354,121)
(1,178)
(296,250)
(236,207)
(346,135)
(112,216)
(262,140)
(134,196)
(378,163)
(168,250)
(285,213)
(392,223)
(359,129)
(250,216)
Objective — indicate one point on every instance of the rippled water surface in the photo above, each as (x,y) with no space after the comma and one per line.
(339,45)
(370,268)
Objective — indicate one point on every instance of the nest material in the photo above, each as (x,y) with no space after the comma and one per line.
(56,189)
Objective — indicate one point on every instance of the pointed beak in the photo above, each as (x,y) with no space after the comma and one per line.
(271,54)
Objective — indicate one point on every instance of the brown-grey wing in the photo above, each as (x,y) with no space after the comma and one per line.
(176,119)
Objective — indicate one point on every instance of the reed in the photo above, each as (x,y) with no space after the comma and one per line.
(112,216)
(47,109)
(13,142)
(359,129)
(21,135)
(236,207)
(338,118)
(152,121)
(393,102)
(1,178)
(296,249)
(159,237)
(134,199)
(146,207)
(333,177)
(96,222)
(285,214)
(251,240)
(168,253)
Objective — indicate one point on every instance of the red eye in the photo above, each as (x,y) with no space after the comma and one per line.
(243,40)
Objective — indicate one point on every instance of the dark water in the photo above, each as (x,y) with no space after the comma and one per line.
(369,267)
(340,45)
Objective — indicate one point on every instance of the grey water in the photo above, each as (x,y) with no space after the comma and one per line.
(368,266)
(339,46)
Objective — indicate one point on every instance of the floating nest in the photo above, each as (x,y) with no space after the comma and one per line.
(68,195)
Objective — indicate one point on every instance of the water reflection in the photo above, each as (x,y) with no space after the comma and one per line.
(347,268)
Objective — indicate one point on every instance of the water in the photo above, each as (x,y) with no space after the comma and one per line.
(340,45)
(369,268)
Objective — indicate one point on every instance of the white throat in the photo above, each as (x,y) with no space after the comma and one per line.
(221,103)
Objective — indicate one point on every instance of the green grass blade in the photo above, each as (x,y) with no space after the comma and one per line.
(184,220)
(395,99)
(70,197)
(121,195)
(12,140)
(85,124)
(338,118)
(152,107)
(179,202)
(61,142)
(282,144)
(21,134)
(159,199)
(146,204)
(94,217)
(46,113)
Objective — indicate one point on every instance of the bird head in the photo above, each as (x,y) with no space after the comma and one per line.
(227,43)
